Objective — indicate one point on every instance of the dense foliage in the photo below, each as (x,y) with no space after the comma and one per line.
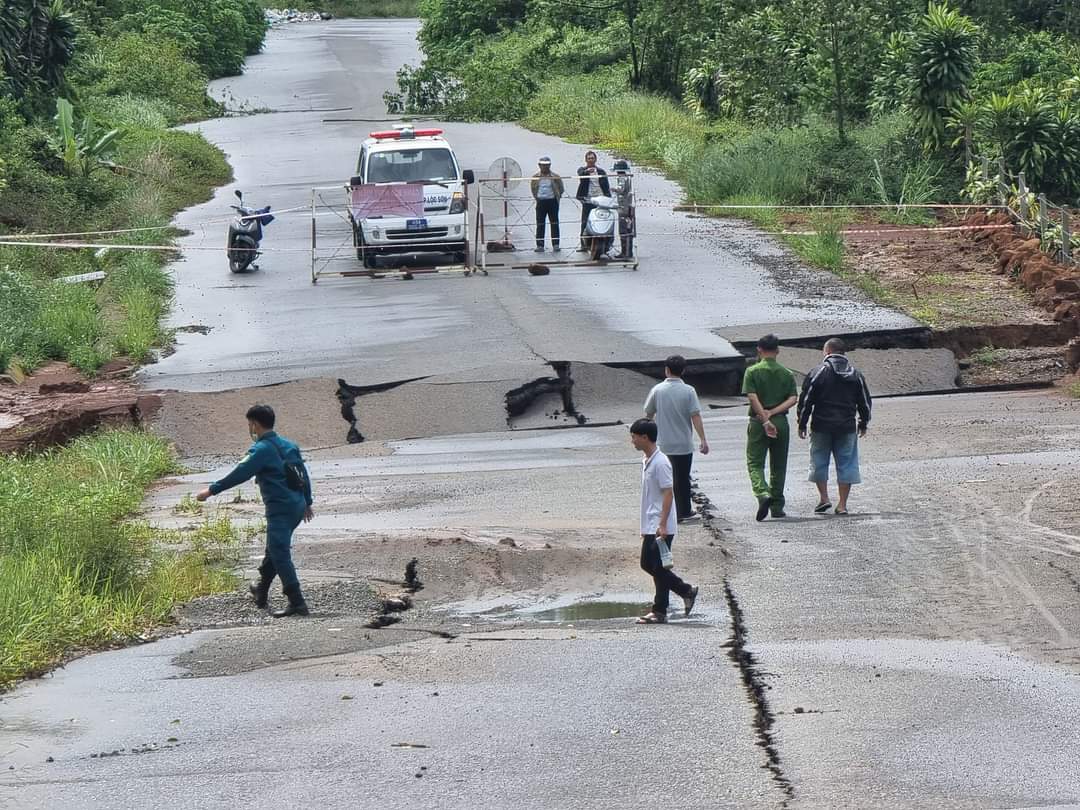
(88,92)
(999,78)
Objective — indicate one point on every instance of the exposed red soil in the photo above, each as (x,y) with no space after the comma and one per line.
(57,403)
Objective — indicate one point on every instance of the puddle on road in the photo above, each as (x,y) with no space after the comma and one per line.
(582,611)
(590,610)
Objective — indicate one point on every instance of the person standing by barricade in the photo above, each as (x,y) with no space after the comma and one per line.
(547,190)
(592,182)
(622,186)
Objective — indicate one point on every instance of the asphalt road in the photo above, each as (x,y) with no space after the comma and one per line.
(921,653)
(696,276)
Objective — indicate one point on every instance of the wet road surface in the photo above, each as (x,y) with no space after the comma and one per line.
(922,653)
(696,276)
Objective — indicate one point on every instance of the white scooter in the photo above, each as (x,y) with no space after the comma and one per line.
(600,226)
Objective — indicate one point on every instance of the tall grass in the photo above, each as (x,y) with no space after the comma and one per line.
(824,247)
(89,324)
(730,163)
(75,574)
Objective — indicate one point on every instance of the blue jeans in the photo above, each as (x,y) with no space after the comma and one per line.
(843,447)
(277,559)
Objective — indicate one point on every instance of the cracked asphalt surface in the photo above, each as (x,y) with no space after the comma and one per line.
(921,653)
(273,325)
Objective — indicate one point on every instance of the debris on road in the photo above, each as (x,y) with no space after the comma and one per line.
(283,16)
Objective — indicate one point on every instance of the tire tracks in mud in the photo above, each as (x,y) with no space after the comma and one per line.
(743,659)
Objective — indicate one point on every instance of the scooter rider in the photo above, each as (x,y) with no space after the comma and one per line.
(623,187)
(592,182)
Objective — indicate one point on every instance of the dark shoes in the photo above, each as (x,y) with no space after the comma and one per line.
(296,607)
(764,502)
(780,514)
(259,592)
(688,601)
(300,609)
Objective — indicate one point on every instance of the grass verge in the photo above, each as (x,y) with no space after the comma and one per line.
(77,572)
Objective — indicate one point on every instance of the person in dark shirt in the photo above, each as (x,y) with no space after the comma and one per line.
(835,404)
(592,182)
(278,468)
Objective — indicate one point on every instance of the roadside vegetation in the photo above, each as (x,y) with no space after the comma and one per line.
(89,93)
(77,573)
(775,102)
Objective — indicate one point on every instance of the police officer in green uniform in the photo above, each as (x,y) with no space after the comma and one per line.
(772,392)
(278,468)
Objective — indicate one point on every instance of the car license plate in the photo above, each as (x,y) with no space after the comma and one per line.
(415,224)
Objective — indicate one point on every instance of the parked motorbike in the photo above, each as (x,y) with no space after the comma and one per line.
(600,226)
(245,234)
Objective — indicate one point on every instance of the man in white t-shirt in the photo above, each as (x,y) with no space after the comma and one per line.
(658,524)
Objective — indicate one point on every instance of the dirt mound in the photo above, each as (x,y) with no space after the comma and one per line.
(1054,286)
(57,403)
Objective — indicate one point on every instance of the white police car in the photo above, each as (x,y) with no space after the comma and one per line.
(414,165)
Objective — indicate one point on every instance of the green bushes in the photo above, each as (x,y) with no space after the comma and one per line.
(74,573)
(133,70)
(88,324)
(217,34)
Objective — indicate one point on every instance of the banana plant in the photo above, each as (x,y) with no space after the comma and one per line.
(84,147)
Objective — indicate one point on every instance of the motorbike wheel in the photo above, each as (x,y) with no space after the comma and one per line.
(596,248)
(241,255)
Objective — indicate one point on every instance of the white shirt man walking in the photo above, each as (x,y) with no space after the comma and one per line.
(677,411)
(658,525)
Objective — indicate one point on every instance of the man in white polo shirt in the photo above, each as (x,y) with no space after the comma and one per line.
(675,406)
(658,524)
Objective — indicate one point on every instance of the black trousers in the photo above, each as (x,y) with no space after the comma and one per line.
(586,207)
(626,229)
(680,469)
(547,211)
(665,580)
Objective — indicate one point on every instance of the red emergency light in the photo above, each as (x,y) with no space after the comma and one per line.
(389,134)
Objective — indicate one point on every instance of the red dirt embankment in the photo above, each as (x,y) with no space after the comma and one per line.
(1055,287)
(57,403)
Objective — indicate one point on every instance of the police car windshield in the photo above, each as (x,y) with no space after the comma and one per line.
(410,165)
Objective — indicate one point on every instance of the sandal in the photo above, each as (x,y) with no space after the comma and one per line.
(840,511)
(822,508)
(652,618)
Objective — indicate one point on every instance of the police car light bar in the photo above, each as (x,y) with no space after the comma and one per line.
(389,134)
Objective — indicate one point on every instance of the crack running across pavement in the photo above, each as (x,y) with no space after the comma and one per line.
(752,677)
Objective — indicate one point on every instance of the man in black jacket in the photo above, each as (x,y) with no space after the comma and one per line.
(835,402)
(592,182)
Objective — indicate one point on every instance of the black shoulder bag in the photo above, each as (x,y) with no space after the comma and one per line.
(295,475)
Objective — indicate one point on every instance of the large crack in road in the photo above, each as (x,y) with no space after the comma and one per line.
(739,653)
